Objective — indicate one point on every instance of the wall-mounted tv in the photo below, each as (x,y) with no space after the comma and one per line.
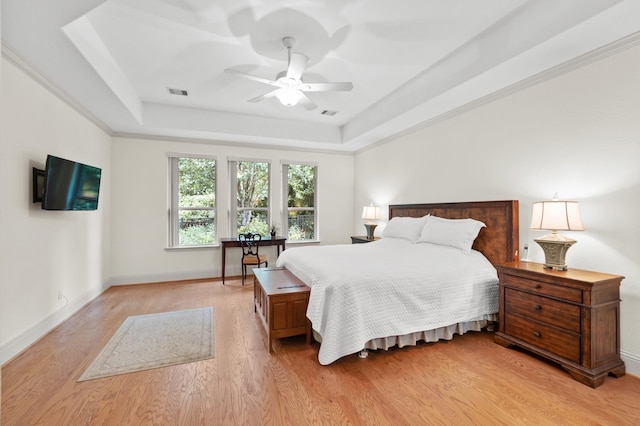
(69,185)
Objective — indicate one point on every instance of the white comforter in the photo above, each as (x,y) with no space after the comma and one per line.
(389,287)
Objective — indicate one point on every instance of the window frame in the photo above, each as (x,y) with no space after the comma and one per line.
(285,200)
(232,164)
(173,211)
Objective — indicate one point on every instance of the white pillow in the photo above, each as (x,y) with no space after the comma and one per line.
(458,233)
(408,228)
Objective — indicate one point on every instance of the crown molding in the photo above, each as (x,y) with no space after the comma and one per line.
(581,61)
(11,55)
(248,145)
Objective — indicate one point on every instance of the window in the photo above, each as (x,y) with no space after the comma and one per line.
(192,211)
(249,181)
(300,184)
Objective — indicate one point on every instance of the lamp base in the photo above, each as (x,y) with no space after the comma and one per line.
(555,248)
(370,228)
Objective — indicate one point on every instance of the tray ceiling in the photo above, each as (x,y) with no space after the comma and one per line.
(410,62)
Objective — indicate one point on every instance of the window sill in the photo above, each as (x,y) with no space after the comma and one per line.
(188,248)
(216,246)
(289,242)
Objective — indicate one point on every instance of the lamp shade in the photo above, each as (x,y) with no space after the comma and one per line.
(556,216)
(371,212)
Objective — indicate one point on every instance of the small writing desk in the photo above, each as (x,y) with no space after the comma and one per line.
(234,242)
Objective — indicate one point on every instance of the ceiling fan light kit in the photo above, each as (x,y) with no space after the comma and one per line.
(288,96)
(289,85)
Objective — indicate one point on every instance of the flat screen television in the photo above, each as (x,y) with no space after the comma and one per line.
(69,185)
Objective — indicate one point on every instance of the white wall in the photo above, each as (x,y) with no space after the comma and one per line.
(140,203)
(577,134)
(43,252)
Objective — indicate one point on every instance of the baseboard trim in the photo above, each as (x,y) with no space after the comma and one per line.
(156,278)
(20,343)
(631,363)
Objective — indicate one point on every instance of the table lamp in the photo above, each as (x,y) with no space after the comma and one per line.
(556,216)
(370,213)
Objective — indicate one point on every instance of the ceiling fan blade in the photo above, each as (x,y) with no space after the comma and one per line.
(326,87)
(306,102)
(252,77)
(297,64)
(267,95)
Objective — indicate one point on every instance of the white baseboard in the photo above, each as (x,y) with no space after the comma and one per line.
(631,363)
(35,333)
(156,278)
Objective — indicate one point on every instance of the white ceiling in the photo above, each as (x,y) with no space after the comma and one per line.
(410,61)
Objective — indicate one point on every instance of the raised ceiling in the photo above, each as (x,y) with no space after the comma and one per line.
(410,61)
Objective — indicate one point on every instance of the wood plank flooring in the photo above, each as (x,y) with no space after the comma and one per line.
(469,380)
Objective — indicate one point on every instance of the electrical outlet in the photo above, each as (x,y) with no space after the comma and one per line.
(60,295)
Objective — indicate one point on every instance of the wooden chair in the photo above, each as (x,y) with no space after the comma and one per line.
(250,252)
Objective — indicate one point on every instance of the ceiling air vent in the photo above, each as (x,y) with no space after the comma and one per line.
(178,92)
(328,112)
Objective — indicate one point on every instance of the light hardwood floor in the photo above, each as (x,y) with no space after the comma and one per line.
(469,380)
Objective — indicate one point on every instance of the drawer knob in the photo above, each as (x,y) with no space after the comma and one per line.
(537,286)
(537,307)
(536,333)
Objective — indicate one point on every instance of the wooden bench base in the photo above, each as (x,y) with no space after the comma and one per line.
(281,300)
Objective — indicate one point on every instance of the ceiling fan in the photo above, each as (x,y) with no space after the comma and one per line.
(289,87)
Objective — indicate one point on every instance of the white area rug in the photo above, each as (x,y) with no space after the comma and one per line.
(150,341)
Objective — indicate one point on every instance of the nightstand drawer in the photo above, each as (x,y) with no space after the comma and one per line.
(543,309)
(571,317)
(541,287)
(557,341)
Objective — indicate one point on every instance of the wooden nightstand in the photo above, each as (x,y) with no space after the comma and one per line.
(570,317)
(362,239)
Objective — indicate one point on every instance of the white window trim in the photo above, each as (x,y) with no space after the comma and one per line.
(249,159)
(173,241)
(300,163)
(285,200)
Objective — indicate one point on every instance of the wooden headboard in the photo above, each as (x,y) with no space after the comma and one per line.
(499,241)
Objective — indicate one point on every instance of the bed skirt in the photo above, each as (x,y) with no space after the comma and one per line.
(443,333)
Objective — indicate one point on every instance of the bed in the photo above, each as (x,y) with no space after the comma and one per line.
(397,291)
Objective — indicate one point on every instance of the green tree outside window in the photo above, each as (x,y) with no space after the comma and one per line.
(301,201)
(196,201)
